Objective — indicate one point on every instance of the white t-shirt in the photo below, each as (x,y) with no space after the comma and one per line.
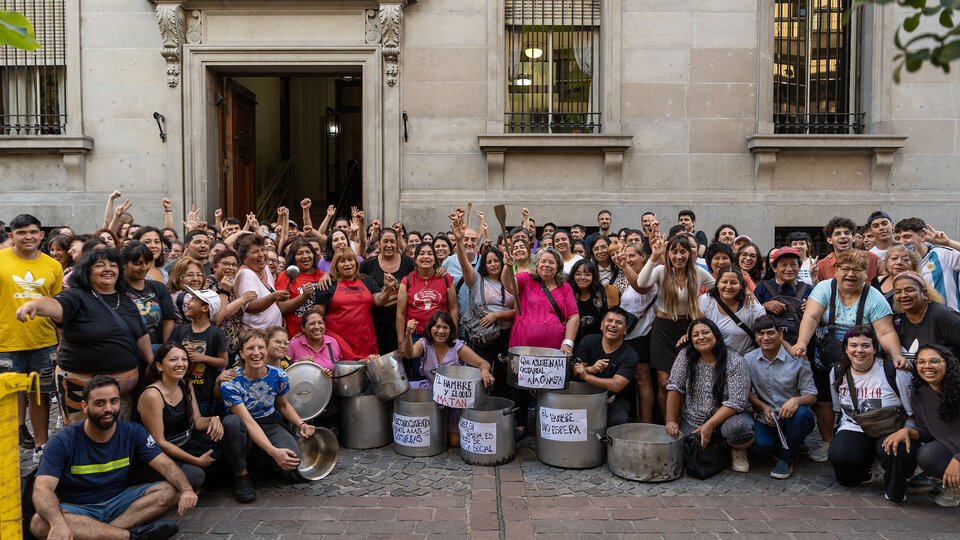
(634,302)
(246,280)
(733,335)
(652,274)
(873,392)
(568,265)
(882,253)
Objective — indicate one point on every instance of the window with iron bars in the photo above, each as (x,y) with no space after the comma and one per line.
(33,83)
(816,67)
(552,66)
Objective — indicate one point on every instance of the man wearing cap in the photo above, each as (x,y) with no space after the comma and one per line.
(206,345)
(784,296)
(606,361)
(839,233)
(881,226)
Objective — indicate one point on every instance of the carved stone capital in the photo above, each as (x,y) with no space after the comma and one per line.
(391,23)
(170,18)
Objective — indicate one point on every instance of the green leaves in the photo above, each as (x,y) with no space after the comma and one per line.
(912,22)
(16,31)
(939,49)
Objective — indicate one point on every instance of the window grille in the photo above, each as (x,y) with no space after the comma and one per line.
(816,71)
(33,83)
(552,66)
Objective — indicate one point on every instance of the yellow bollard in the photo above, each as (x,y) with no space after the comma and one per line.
(11,518)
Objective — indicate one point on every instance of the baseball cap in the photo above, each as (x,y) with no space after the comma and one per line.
(877,215)
(208,297)
(785,251)
(743,238)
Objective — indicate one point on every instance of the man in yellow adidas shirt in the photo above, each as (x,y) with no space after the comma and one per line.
(27,274)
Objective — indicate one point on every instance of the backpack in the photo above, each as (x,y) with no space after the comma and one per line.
(789,320)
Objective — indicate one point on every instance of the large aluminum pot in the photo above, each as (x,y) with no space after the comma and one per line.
(318,454)
(538,368)
(365,421)
(349,378)
(487,433)
(568,422)
(419,424)
(459,387)
(643,452)
(387,376)
(310,389)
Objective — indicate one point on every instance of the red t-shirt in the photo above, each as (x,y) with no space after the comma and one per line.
(425,297)
(296,287)
(349,316)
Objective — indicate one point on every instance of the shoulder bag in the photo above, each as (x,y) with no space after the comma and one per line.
(730,313)
(553,302)
(480,336)
(878,422)
(703,463)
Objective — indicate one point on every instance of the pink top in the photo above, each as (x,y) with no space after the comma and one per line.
(537,324)
(328,353)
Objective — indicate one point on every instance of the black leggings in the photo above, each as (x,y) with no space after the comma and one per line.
(933,457)
(237,443)
(852,454)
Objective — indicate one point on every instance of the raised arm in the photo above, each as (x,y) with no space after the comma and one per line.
(108,211)
(168,212)
(305,205)
(327,219)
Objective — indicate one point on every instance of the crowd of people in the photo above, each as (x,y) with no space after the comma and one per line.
(168,347)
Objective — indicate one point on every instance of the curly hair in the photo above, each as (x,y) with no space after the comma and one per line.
(949,409)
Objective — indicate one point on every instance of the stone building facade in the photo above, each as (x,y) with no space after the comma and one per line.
(686,90)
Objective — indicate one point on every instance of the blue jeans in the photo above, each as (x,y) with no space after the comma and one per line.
(111,509)
(795,430)
(40,360)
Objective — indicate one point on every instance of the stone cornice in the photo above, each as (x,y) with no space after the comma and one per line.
(288,4)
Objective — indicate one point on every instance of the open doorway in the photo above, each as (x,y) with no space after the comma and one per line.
(287,137)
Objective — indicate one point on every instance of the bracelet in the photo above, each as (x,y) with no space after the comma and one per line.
(567,342)
(301,425)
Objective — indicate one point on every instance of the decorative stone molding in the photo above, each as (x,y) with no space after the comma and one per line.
(170,18)
(195,28)
(391,22)
(496,147)
(371,27)
(72,149)
(881,148)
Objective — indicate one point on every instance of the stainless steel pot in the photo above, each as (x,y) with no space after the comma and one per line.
(465,390)
(310,389)
(643,452)
(487,433)
(388,376)
(365,421)
(568,422)
(538,368)
(349,378)
(419,424)
(318,454)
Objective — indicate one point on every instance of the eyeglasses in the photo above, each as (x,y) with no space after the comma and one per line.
(933,362)
(748,256)
(229,264)
(193,274)
(850,270)
(281,342)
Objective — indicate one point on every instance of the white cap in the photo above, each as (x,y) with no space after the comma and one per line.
(208,297)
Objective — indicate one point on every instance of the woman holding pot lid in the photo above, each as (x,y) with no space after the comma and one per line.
(863,383)
(922,318)
(440,347)
(314,345)
(255,393)
(708,392)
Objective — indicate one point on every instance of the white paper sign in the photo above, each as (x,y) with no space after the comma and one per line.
(542,373)
(478,437)
(563,424)
(411,430)
(455,393)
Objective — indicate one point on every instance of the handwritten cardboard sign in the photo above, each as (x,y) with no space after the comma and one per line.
(411,430)
(541,373)
(455,393)
(563,424)
(478,437)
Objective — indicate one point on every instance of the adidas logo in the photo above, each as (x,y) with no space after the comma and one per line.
(28,285)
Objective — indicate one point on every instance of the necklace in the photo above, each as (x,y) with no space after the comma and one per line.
(118,300)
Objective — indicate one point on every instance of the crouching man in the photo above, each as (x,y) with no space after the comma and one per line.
(608,362)
(783,392)
(83,486)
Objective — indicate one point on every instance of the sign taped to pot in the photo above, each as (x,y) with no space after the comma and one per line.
(411,430)
(455,393)
(541,373)
(563,424)
(478,437)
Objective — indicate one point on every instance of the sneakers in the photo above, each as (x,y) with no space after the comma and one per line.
(243,490)
(26,440)
(782,470)
(740,461)
(920,480)
(819,454)
(950,498)
(160,529)
(37,454)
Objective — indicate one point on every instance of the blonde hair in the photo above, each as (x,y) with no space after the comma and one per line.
(177,271)
(911,253)
(340,254)
(854,257)
(670,291)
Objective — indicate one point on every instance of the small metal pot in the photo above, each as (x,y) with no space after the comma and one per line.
(487,434)
(388,376)
(543,368)
(419,424)
(465,374)
(643,452)
(349,378)
(318,454)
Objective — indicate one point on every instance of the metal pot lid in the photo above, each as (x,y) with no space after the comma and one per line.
(465,373)
(310,389)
